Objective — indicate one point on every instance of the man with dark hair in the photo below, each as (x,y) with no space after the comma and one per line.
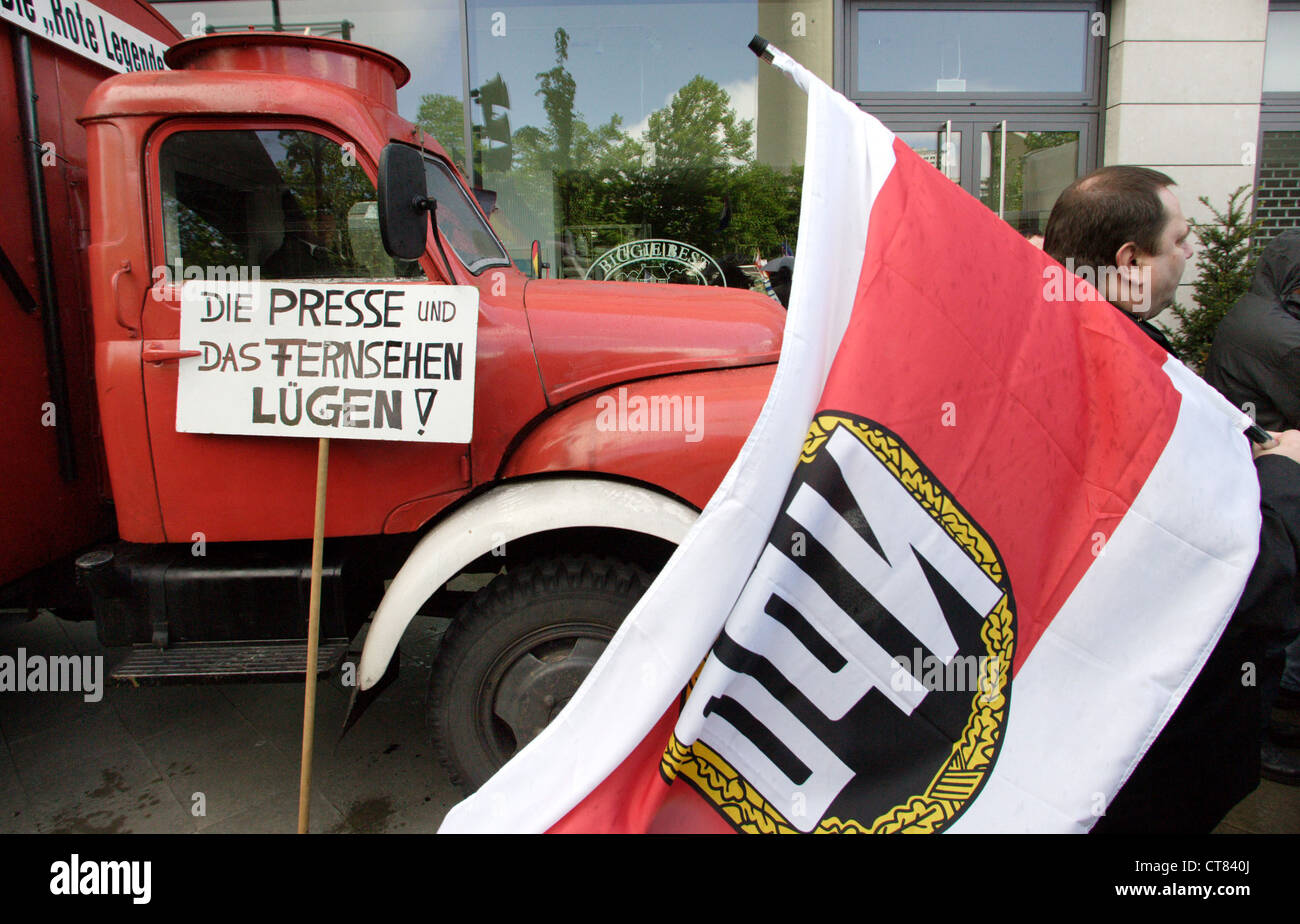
(1123,229)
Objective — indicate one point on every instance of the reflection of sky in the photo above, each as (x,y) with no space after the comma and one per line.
(1282,54)
(273,145)
(425,35)
(626,57)
(993,51)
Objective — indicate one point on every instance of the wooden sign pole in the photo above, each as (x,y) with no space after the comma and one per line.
(313,635)
(251,317)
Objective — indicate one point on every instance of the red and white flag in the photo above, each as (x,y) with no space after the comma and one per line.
(981,540)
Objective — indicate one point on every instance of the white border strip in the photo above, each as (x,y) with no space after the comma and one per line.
(1120,654)
(652,657)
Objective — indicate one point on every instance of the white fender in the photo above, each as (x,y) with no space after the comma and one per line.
(500,516)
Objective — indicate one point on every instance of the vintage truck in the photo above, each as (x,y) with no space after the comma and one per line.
(262,152)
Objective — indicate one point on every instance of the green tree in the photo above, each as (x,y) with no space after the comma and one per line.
(205,244)
(443,117)
(326,183)
(591,170)
(764,210)
(1226,265)
(697,144)
(698,131)
(558,89)
(690,176)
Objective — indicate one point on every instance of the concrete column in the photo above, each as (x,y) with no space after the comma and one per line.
(803,29)
(1183,97)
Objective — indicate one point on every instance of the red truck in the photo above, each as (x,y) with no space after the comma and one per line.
(605,414)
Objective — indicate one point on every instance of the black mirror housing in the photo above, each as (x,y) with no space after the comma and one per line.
(403,214)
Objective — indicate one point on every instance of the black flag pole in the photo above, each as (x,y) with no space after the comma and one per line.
(1260,436)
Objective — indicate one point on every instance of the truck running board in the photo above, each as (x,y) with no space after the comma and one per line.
(225,662)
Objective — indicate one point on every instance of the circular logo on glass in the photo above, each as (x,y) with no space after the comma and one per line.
(656,261)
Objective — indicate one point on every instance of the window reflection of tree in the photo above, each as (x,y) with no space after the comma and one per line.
(203,244)
(323,184)
(1029,142)
(690,176)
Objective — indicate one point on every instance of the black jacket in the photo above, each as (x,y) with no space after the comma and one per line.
(1256,353)
(1206,758)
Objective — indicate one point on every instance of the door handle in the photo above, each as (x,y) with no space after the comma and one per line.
(160,353)
(125,267)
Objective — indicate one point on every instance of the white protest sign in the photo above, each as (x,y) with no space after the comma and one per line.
(82,27)
(348,360)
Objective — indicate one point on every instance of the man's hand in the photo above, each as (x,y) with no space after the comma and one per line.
(1286,443)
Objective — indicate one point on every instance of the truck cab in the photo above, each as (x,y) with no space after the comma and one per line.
(605,414)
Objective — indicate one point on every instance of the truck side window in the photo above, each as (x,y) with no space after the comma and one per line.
(474,242)
(275,204)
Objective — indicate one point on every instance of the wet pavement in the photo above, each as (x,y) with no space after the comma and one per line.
(212,758)
(225,758)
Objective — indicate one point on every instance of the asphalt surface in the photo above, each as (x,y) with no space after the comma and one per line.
(212,758)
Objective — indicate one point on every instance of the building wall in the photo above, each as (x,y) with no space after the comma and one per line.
(1184,85)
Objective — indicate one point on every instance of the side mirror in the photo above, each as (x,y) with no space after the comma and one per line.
(403,202)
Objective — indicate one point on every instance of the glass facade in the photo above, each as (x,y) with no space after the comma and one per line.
(940,149)
(971,51)
(424,34)
(1038,167)
(1282,52)
(601,123)
(598,123)
(1003,98)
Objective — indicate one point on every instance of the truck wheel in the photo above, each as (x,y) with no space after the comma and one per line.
(518,652)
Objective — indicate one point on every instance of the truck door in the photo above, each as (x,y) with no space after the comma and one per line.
(282,201)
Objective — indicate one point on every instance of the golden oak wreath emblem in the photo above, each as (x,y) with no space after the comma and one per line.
(816,710)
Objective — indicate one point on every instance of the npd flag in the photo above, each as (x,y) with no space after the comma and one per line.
(982,538)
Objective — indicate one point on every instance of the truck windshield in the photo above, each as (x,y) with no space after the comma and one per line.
(460,223)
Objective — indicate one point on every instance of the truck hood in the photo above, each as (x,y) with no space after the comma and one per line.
(590,335)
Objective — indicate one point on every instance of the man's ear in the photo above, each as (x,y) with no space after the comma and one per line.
(1126,288)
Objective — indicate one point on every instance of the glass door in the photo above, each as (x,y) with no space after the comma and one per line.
(1024,167)
(938,143)
(1017,167)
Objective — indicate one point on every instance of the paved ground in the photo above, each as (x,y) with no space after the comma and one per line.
(135,761)
(145,759)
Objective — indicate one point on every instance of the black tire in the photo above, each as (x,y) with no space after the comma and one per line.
(517,652)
